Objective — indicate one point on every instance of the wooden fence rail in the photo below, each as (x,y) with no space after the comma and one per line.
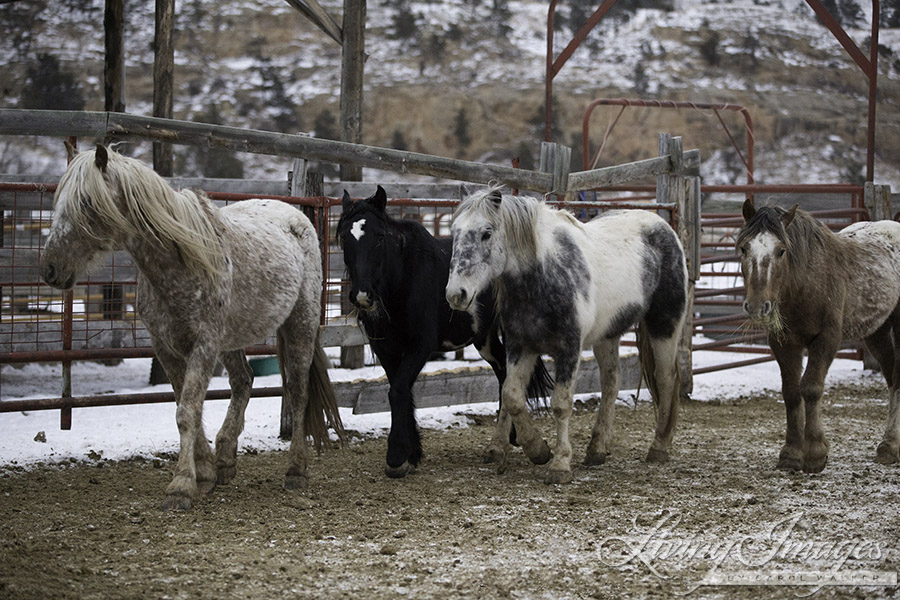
(123,126)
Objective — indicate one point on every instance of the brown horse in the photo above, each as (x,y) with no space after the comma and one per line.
(811,289)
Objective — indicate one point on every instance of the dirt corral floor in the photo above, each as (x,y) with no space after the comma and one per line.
(718,512)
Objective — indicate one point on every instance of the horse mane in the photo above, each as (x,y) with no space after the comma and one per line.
(518,215)
(134,200)
(804,238)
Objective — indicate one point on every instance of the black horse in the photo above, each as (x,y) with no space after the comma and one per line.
(398,273)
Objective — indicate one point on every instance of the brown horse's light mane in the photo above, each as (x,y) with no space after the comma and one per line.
(132,199)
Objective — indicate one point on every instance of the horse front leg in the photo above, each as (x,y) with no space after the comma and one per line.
(560,468)
(195,459)
(492,350)
(790,363)
(812,386)
(404,451)
(240,379)
(607,355)
(518,373)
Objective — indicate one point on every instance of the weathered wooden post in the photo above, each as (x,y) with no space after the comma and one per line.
(556,159)
(877,200)
(684,191)
(353,59)
(163,80)
(114,69)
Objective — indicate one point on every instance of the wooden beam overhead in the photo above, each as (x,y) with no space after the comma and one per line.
(320,18)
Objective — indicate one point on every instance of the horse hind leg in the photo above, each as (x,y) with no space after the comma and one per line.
(295,355)
(888,451)
(240,378)
(659,363)
(607,355)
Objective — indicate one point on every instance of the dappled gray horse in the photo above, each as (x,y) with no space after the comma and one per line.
(211,282)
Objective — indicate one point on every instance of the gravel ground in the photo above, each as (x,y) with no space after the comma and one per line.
(458,529)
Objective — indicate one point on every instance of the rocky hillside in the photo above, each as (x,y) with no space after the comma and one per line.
(466,79)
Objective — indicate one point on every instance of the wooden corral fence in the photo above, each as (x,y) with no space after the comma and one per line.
(677,199)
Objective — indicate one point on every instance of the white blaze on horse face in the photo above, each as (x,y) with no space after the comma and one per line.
(357,229)
(761,254)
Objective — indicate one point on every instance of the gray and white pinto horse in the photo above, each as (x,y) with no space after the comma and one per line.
(211,282)
(564,286)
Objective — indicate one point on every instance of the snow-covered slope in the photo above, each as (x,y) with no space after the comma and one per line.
(259,63)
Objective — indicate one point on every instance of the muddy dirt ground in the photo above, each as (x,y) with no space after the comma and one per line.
(457,529)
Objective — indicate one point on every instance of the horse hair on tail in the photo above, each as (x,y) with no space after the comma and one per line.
(648,374)
(322,409)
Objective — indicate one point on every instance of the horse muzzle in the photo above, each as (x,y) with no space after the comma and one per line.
(758,311)
(459,298)
(53,277)
(362,300)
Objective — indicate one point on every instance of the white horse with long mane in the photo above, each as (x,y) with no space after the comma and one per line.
(211,282)
(564,286)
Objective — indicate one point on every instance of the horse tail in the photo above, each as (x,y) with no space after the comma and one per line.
(321,409)
(648,360)
(539,387)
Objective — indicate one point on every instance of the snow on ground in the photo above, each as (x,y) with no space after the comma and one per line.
(115,433)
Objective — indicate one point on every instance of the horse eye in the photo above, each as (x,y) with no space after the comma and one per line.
(781,253)
(485,236)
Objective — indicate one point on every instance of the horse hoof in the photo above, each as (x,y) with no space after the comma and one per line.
(555,476)
(885,454)
(595,458)
(296,482)
(789,464)
(225,474)
(176,502)
(398,472)
(815,465)
(205,488)
(544,456)
(657,456)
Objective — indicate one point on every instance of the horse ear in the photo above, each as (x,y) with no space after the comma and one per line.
(346,201)
(101,158)
(748,210)
(71,151)
(788,217)
(495,196)
(379,200)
